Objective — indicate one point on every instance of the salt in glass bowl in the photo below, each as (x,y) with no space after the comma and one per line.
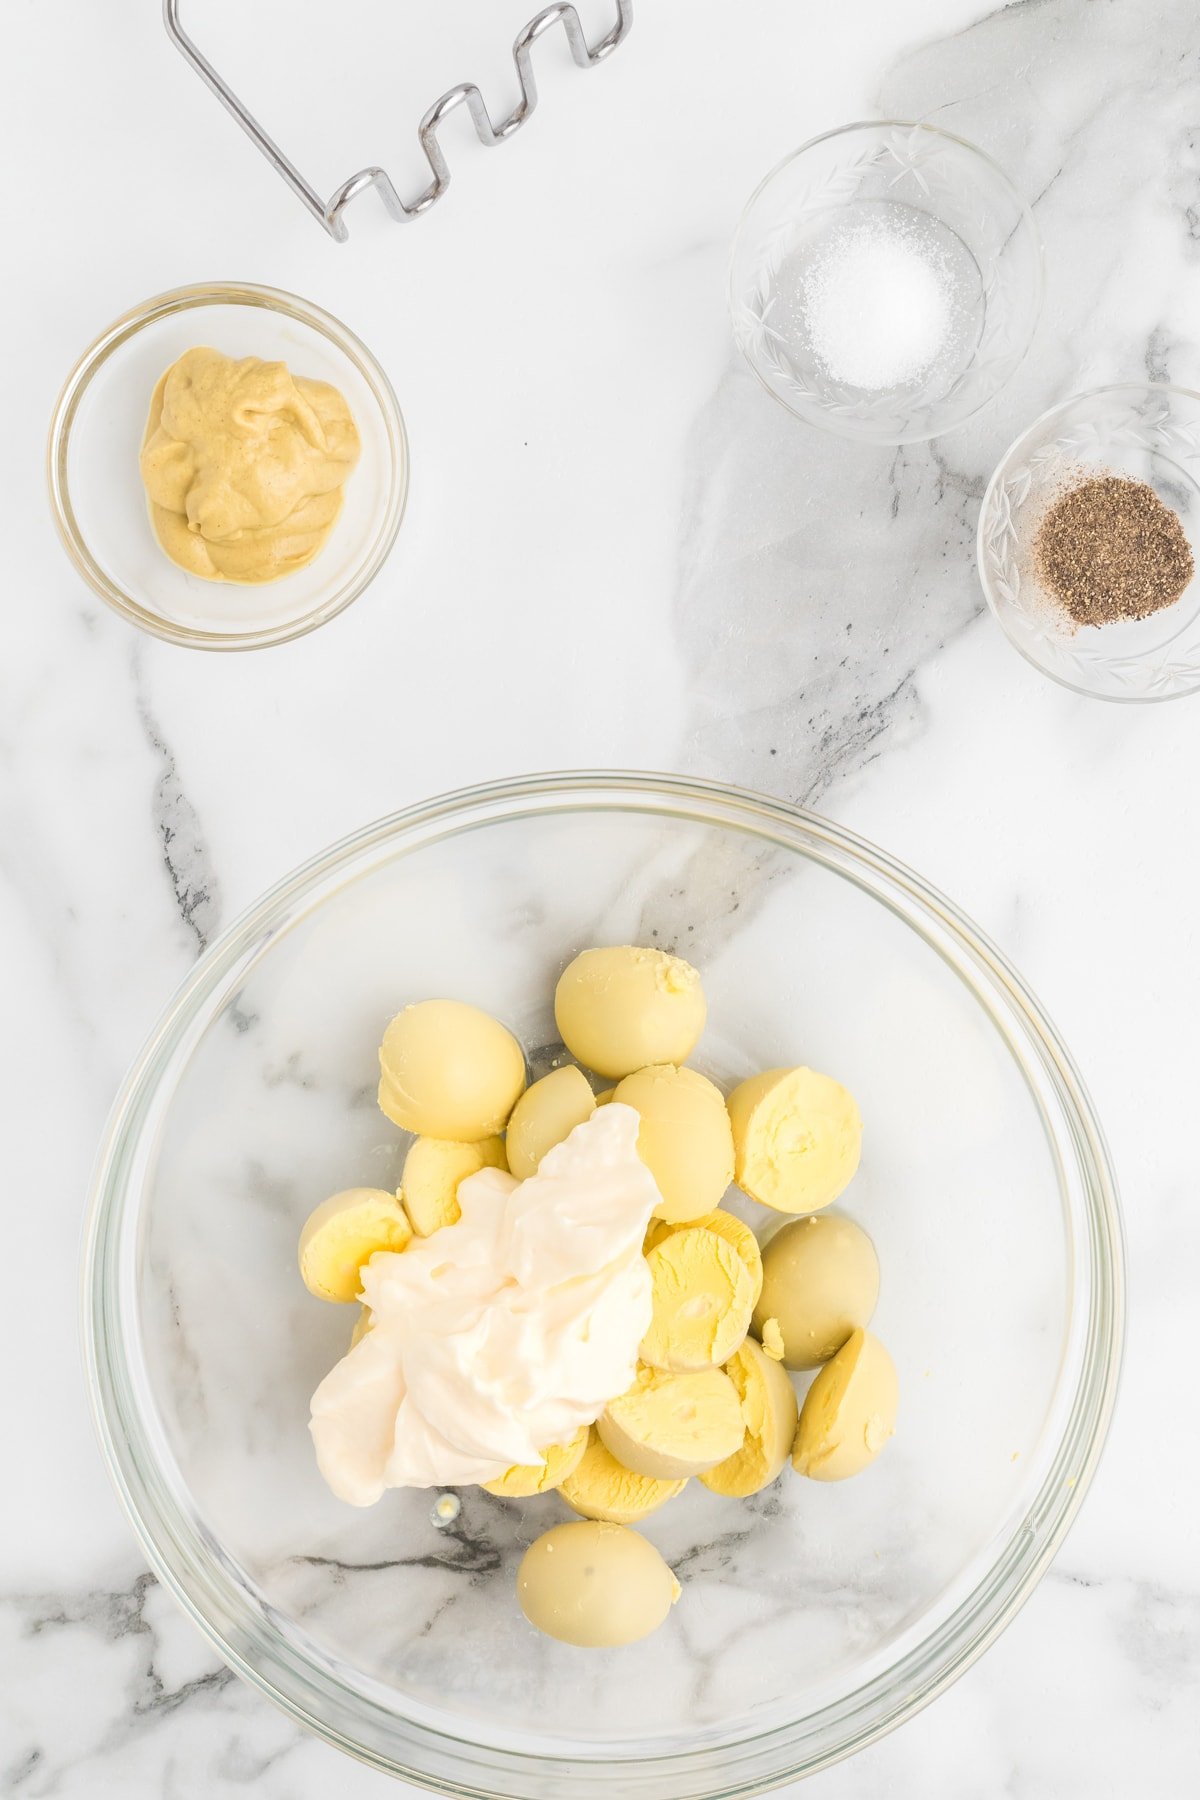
(1149,432)
(930,189)
(813,1616)
(99,502)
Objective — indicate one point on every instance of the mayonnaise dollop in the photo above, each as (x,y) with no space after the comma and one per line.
(501,1334)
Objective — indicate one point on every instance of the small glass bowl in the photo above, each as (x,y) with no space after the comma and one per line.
(99,503)
(944,196)
(1151,433)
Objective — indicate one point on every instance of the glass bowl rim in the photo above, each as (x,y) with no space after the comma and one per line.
(1000,474)
(818,415)
(128,325)
(749,1764)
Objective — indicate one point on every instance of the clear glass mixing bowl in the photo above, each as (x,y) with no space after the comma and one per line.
(813,1617)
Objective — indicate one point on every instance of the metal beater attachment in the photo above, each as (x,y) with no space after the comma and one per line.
(330,211)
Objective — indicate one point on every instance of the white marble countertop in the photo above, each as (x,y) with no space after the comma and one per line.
(586,448)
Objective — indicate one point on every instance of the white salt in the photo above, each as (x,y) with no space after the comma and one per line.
(877,305)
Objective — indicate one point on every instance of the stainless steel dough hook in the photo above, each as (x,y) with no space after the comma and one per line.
(467,94)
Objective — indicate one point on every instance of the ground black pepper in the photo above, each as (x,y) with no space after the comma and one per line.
(1108,549)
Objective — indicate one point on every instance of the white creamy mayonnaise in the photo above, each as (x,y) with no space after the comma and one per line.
(502,1334)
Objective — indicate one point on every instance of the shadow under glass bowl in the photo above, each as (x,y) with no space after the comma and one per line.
(1148,432)
(99,503)
(814,1617)
(914,184)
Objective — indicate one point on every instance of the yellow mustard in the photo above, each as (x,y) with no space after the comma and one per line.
(243,464)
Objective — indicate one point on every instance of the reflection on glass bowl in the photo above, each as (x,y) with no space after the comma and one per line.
(814,1616)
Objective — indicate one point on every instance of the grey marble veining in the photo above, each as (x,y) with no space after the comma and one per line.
(185,854)
(819,576)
